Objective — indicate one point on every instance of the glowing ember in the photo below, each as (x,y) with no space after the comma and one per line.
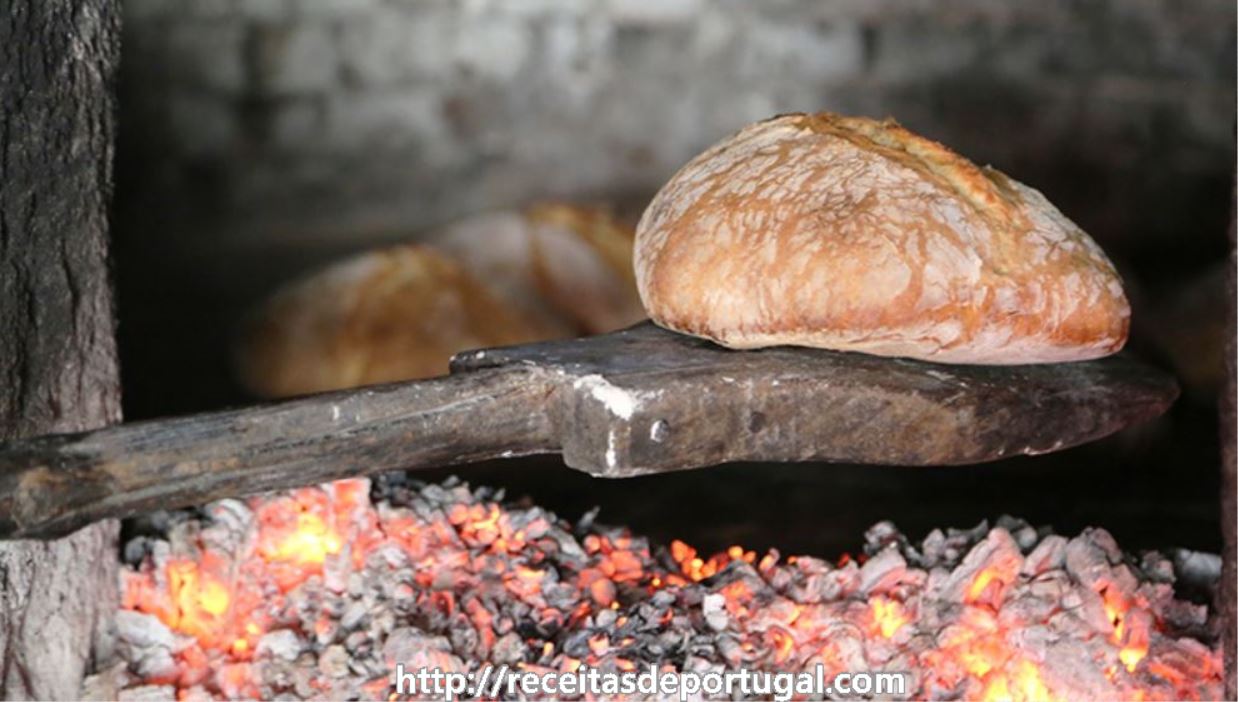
(981,585)
(1026,686)
(318,593)
(309,543)
(697,569)
(888,615)
(1132,639)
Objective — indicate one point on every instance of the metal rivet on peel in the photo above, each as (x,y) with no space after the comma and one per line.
(659,430)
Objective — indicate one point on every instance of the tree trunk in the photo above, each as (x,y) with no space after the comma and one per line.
(58,368)
(1228,600)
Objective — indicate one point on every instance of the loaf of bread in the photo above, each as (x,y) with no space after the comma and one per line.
(382,316)
(856,235)
(553,271)
(568,267)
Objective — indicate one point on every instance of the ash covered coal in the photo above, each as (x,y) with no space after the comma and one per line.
(318,593)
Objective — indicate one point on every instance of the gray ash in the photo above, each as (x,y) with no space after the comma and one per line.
(318,594)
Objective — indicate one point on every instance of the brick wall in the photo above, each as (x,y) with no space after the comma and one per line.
(262,136)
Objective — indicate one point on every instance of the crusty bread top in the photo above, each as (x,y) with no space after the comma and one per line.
(568,267)
(554,271)
(386,315)
(855,234)
(583,266)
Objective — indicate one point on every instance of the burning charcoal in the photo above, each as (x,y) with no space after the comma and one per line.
(508,649)
(601,589)
(148,693)
(155,664)
(359,666)
(605,619)
(157,523)
(236,681)
(106,684)
(136,550)
(585,524)
(969,537)
(283,644)
(232,516)
(382,622)
(986,570)
(142,631)
(882,571)
(333,661)
(1049,554)
(1023,533)
(275,675)
(354,613)
(732,651)
(576,644)
(839,583)
(714,609)
(933,549)
(453,578)
(356,584)
(1049,587)
(358,643)
(1156,567)
(417,650)
(960,541)
(1184,616)
(842,649)
(345,688)
(663,599)
(1197,569)
(1088,561)
(197,693)
(326,631)
(303,680)
(882,535)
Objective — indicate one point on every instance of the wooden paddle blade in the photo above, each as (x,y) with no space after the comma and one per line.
(646,400)
(630,403)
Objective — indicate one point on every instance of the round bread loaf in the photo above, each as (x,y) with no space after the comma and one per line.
(567,267)
(553,271)
(387,315)
(854,234)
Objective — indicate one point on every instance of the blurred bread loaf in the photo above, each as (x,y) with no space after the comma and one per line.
(400,313)
(857,235)
(566,267)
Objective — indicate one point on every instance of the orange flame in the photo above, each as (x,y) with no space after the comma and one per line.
(194,603)
(783,644)
(980,586)
(888,615)
(1134,642)
(698,569)
(210,598)
(308,544)
(1026,686)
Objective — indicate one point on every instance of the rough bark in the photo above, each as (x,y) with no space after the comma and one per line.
(58,368)
(1229,474)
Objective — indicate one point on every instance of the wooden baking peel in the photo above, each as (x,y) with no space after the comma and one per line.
(634,402)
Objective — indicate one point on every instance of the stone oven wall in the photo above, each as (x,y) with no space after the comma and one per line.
(262,137)
(348,116)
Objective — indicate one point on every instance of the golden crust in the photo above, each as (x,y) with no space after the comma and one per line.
(582,265)
(569,267)
(554,271)
(854,234)
(394,314)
